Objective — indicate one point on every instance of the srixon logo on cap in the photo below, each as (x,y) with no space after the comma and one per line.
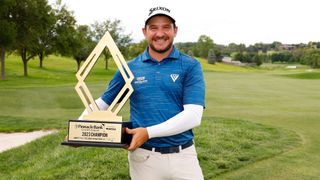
(158,8)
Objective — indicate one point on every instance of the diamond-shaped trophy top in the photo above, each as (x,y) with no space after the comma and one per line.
(94,113)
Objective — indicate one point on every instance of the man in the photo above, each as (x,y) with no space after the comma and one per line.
(167,102)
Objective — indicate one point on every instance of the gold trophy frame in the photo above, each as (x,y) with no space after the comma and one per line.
(101,127)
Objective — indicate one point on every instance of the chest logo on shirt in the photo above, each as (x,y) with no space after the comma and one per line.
(174,77)
(140,80)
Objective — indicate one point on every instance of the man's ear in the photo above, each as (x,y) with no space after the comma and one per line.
(144,31)
(175,31)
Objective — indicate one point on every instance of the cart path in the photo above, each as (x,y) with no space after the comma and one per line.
(12,140)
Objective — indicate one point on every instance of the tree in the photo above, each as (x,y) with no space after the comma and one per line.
(252,49)
(297,54)
(185,47)
(137,48)
(204,44)
(122,40)
(312,58)
(282,56)
(247,57)
(276,45)
(211,57)
(258,58)
(44,43)
(64,30)
(233,48)
(219,51)
(7,32)
(238,56)
(32,19)
(250,57)
(190,53)
(259,47)
(83,44)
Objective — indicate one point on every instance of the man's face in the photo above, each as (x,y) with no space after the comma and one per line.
(160,33)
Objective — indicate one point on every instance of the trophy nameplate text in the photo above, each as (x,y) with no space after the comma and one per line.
(102,128)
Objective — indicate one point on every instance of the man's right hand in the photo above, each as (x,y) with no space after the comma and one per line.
(139,136)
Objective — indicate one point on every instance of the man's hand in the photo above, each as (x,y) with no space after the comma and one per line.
(139,136)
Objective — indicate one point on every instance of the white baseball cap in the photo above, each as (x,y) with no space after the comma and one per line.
(159,10)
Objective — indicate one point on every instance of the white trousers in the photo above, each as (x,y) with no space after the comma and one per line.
(150,165)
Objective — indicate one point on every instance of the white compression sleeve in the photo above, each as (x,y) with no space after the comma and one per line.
(101,105)
(187,119)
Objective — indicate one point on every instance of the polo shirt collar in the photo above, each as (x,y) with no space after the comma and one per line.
(173,55)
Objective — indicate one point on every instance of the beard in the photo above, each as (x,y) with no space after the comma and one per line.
(161,51)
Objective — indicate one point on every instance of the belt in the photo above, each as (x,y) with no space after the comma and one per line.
(168,150)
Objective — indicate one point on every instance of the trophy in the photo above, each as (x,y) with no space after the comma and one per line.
(101,128)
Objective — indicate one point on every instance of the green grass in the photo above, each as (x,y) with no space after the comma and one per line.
(57,70)
(274,100)
(227,144)
(220,67)
(9,124)
(258,123)
(47,159)
(282,66)
(222,144)
(305,75)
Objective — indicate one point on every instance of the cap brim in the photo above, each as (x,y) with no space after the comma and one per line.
(160,14)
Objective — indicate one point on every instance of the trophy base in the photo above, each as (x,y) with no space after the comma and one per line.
(94,144)
(98,134)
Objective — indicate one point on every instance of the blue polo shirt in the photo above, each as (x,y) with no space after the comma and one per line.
(160,91)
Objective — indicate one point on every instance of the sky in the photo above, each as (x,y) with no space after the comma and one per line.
(224,21)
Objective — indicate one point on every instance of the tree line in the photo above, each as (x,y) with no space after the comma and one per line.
(33,28)
(276,52)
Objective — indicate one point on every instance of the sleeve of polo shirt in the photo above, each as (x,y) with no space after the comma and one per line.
(194,86)
(114,87)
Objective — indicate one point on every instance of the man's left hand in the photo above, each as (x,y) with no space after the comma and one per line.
(139,136)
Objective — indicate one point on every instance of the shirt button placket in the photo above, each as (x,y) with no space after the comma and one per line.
(158,72)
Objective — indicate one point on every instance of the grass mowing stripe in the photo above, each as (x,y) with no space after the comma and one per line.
(9,124)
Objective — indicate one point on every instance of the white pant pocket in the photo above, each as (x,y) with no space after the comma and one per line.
(139,155)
